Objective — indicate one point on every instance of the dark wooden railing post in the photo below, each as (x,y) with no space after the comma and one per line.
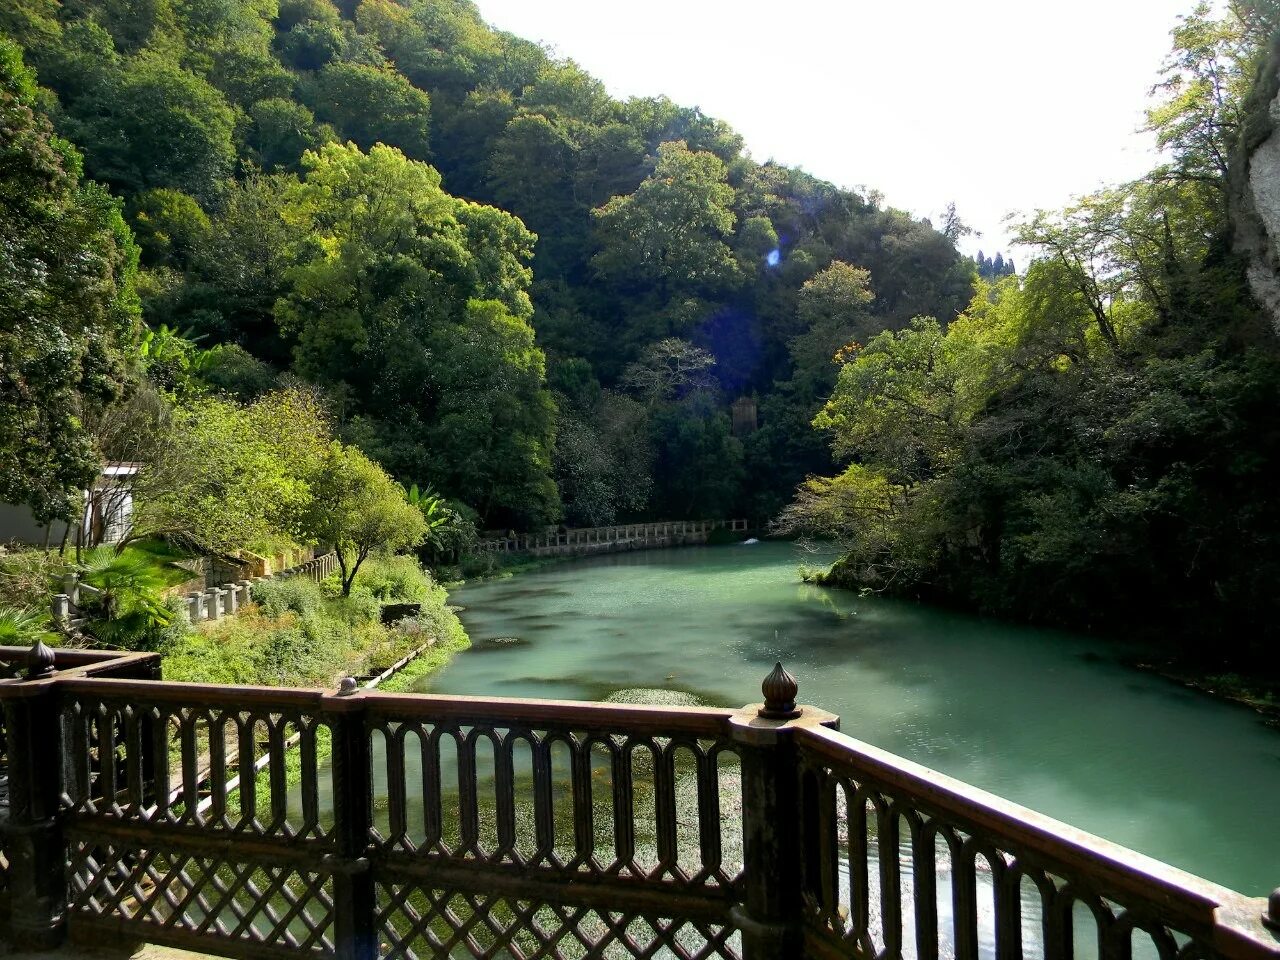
(33,839)
(771,913)
(353,893)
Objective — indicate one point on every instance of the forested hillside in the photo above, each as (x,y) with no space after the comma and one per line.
(542,304)
(1096,442)
(536,299)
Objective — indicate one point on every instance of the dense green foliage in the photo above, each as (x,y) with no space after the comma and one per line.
(1095,442)
(1090,439)
(68,311)
(299,632)
(273,159)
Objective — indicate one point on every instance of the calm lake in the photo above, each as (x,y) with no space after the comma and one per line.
(1052,720)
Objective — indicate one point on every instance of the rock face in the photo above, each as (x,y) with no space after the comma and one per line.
(1255,189)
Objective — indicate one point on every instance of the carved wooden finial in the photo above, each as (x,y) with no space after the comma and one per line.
(779,689)
(1271,919)
(40,660)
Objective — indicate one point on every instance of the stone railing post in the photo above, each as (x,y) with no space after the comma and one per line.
(232,593)
(213,603)
(355,932)
(32,835)
(770,914)
(60,608)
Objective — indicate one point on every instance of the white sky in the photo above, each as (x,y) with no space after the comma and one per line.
(999,105)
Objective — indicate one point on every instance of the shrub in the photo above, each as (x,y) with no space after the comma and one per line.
(360,607)
(395,579)
(26,577)
(299,595)
(301,632)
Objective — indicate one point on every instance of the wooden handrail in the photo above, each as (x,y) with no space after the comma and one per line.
(1181,898)
(562,810)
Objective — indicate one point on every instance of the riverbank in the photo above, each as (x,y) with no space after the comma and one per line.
(502,566)
(301,633)
(1259,691)
(1260,695)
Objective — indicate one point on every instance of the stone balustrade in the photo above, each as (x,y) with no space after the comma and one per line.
(627,536)
(211,603)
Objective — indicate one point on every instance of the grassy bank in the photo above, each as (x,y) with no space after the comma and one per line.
(301,633)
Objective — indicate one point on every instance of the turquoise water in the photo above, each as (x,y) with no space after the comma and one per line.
(1052,720)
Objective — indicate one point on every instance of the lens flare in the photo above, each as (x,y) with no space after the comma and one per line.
(774,257)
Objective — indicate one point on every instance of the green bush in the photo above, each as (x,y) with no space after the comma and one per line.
(299,595)
(304,633)
(394,579)
(27,576)
(360,607)
(228,652)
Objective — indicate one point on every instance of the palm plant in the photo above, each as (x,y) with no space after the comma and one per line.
(434,510)
(125,599)
(20,627)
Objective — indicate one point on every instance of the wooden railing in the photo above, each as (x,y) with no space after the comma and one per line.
(420,826)
(587,539)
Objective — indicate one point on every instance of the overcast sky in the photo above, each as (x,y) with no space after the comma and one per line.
(999,105)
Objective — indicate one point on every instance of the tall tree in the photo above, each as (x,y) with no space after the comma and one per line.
(68,310)
(671,235)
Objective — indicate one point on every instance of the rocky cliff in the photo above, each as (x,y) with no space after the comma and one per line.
(1255,188)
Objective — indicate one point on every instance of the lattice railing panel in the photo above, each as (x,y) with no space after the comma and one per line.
(421,923)
(893,874)
(220,766)
(163,893)
(582,801)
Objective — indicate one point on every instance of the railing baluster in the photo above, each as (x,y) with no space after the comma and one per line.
(887,843)
(276,775)
(246,735)
(78,758)
(218,768)
(1006,885)
(106,756)
(397,741)
(468,810)
(709,852)
(544,823)
(624,828)
(924,887)
(133,760)
(309,786)
(159,720)
(505,794)
(432,816)
(828,851)
(583,811)
(190,766)
(1059,931)
(664,798)
(859,882)
(964,899)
